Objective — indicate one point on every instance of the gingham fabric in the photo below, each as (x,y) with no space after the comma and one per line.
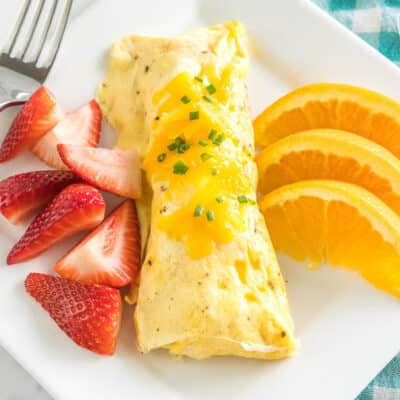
(375,21)
(378,23)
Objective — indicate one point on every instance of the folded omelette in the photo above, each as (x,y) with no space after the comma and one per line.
(210,283)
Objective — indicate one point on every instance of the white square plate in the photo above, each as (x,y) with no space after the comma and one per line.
(348,330)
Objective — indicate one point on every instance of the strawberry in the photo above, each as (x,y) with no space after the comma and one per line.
(38,115)
(77,208)
(21,195)
(89,314)
(79,127)
(116,171)
(109,255)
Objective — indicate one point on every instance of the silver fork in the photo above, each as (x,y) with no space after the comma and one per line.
(22,76)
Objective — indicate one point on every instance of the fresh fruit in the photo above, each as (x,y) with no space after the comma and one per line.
(116,171)
(23,194)
(323,220)
(89,314)
(331,105)
(77,208)
(109,255)
(38,115)
(80,127)
(331,154)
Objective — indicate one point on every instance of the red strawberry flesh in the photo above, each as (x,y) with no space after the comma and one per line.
(77,208)
(81,127)
(23,194)
(89,314)
(38,115)
(110,254)
(113,170)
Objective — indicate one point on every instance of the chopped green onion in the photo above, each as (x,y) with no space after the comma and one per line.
(210,215)
(179,140)
(212,134)
(161,157)
(207,98)
(214,171)
(198,79)
(219,139)
(211,89)
(242,198)
(198,210)
(183,147)
(194,115)
(205,156)
(252,202)
(172,146)
(185,100)
(220,199)
(180,168)
(203,143)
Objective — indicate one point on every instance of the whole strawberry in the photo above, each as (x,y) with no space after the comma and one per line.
(89,314)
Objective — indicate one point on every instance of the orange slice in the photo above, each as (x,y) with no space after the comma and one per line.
(323,220)
(331,154)
(331,105)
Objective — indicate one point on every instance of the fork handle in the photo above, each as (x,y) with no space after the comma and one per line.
(11,97)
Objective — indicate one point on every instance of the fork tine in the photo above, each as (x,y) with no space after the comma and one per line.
(60,33)
(32,28)
(45,32)
(17,28)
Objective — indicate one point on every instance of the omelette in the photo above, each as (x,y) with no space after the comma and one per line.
(210,282)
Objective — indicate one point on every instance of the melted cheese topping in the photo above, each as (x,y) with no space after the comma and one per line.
(212,194)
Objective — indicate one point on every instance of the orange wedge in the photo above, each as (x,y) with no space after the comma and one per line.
(331,105)
(331,154)
(338,222)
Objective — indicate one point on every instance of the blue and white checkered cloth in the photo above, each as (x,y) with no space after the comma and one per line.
(378,23)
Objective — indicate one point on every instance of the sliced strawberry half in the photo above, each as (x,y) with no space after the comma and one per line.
(112,170)
(23,194)
(110,255)
(38,115)
(89,314)
(79,127)
(77,208)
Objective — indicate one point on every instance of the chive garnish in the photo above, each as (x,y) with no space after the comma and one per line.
(219,139)
(161,157)
(205,156)
(242,198)
(194,115)
(212,134)
(185,100)
(220,199)
(180,168)
(183,147)
(214,171)
(179,140)
(207,98)
(172,146)
(198,210)
(203,143)
(211,89)
(198,79)
(210,215)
